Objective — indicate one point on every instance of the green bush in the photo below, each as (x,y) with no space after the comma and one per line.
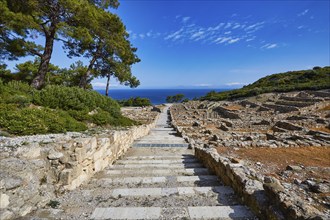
(61,109)
(74,98)
(137,102)
(28,121)
(318,78)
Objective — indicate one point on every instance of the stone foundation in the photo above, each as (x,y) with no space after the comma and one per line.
(32,174)
(266,197)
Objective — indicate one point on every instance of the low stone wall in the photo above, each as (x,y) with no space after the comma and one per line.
(33,174)
(244,181)
(266,196)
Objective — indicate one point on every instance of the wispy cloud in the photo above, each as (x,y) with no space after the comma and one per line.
(235,84)
(269,46)
(174,36)
(303,13)
(233,31)
(185,19)
(203,85)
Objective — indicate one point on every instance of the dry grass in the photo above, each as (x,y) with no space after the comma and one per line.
(306,156)
(323,129)
(326,108)
(233,107)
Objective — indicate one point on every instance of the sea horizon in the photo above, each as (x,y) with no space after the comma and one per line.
(157,96)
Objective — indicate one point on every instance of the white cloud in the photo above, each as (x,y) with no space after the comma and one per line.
(301,27)
(269,46)
(134,36)
(149,34)
(174,35)
(99,84)
(142,36)
(197,35)
(235,84)
(236,26)
(228,32)
(303,13)
(233,40)
(185,19)
(250,39)
(228,25)
(203,85)
(221,40)
(254,27)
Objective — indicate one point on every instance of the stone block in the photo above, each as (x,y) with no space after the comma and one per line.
(6,215)
(80,154)
(103,142)
(31,151)
(76,171)
(99,165)
(65,177)
(4,201)
(99,154)
(54,155)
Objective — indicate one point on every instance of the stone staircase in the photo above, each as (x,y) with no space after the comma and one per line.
(159,178)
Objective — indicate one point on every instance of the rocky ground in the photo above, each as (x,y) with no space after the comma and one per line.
(286,135)
(144,115)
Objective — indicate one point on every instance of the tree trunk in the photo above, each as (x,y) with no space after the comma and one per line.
(84,79)
(108,84)
(39,80)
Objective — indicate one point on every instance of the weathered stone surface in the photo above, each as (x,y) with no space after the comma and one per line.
(225,113)
(54,155)
(288,126)
(4,201)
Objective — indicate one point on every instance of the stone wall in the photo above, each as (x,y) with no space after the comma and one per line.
(32,174)
(265,195)
(244,181)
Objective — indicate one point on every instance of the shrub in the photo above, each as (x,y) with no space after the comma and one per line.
(137,101)
(74,98)
(318,78)
(28,121)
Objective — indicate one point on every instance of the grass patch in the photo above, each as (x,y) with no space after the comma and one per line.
(55,109)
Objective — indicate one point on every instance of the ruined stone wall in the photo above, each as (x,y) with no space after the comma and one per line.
(265,195)
(32,174)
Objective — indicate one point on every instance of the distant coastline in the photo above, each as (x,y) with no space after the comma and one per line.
(157,96)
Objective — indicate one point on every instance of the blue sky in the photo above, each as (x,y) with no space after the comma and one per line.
(215,44)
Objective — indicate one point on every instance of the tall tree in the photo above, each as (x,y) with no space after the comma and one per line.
(108,48)
(51,19)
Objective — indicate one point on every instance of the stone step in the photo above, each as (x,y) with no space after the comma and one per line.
(160,192)
(127,213)
(159,172)
(156,144)
(208,180)
(154,166)
(220,212)
(200,212)
(172,161)
(163,157)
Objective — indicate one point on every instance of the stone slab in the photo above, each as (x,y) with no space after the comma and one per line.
(168,166)
(134,180)
(223,190)
(157,161)
(137,192)
(165,172)
(158,157)
(127,213)
(220,212)
(197,178)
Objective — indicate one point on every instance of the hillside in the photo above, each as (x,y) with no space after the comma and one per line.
(55,109)
(315,79)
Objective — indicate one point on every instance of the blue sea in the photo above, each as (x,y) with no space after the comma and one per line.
(157,96)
